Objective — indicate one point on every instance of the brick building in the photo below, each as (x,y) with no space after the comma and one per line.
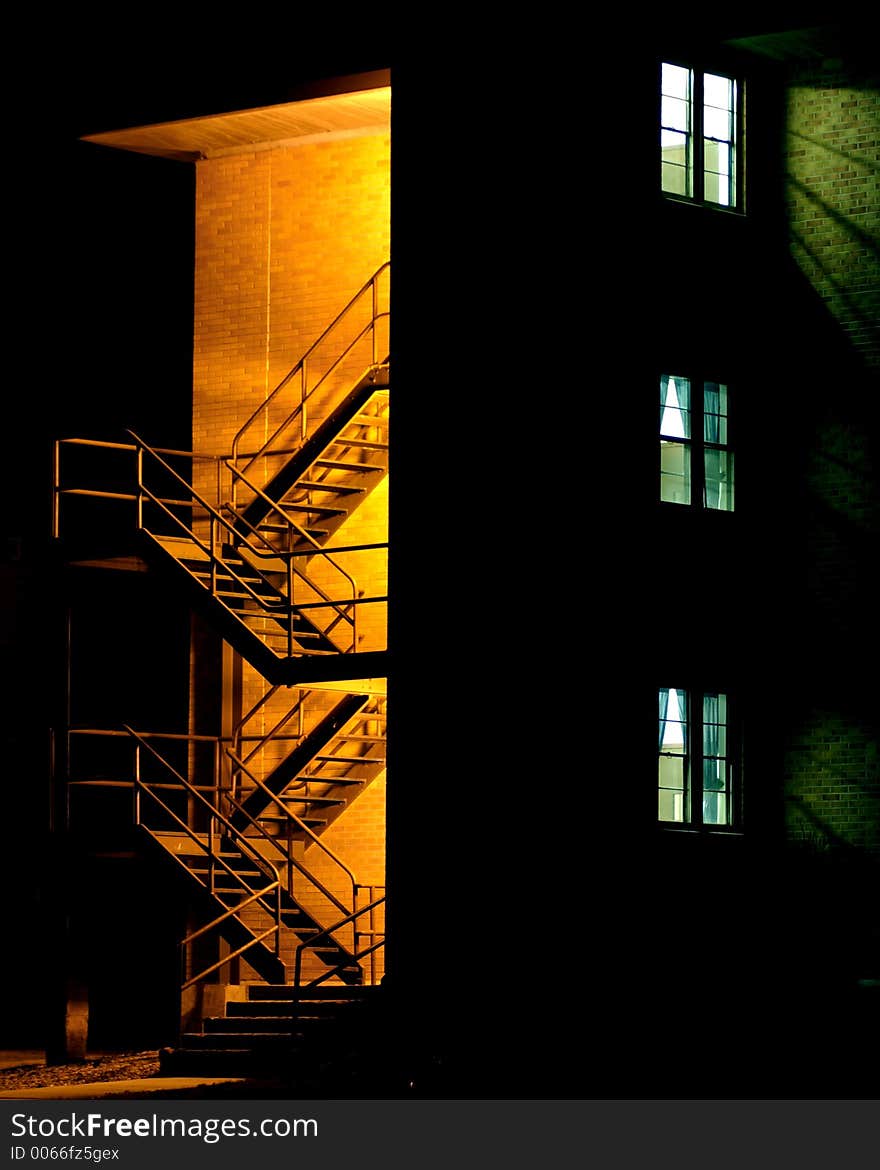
(556,924)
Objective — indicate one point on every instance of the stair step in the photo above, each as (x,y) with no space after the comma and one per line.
(282,1008)
(230,1041)
(351,759)
(260,992)
(283,528)
(343,465)
(361,444)
(368,420)
(278,819)
(321,509)
(314,485)
(314,778)
(262,1026)
(293,798)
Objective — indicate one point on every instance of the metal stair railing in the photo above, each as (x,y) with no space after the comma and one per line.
(298,376)
(241,842)
(276,734)
(213,856)
(295,531)
(299,988)
(293,822)
(284,609)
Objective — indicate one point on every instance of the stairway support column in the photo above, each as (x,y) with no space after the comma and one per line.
(230,713)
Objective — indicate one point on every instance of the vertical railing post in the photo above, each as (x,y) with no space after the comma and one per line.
(137,784)
(290,596)
(211,851)
(212,542)
(139,462)
(373,329)
(56,488)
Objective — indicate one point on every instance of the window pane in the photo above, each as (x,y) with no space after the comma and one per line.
(715,807)
(717,188)
(675,472)
(675,114)
(671,796)
(719,479)
(670,806)
(715,413)
(673,720)
(716,123)
(675,404)
(674,179)
(675,80)
(716,157)
(717,91)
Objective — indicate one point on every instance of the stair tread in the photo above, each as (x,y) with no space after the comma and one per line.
(314,485)
(351,759)
(295,798)
(343,465)
(362,444)
(304,506)
(313,777)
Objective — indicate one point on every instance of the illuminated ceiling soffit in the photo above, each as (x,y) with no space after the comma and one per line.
(344,115)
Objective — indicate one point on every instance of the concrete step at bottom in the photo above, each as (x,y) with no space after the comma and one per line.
(230,1062)
(268,1025)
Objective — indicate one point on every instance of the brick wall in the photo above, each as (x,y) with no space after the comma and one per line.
(832,786)
(833,195)
(832,190)
(284,238)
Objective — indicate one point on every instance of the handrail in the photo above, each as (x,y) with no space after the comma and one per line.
(288,855)
(236,536)
(213,858)
(290,554)
(299,823)
(241,842)
(328,932)
(372,283)
(297,709)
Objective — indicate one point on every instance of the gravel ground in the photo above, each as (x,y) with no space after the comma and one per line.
(121,1066)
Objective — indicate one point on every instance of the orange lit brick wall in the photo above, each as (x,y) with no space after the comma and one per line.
(284,238)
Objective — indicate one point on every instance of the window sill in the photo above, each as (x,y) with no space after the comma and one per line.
(683,201)
(702,831)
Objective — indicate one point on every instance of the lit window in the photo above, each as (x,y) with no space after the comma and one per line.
(696,459)
(696,759)
(700,135)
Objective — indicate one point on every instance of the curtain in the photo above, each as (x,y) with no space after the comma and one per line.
(711,434)
(712,784)
(664,707)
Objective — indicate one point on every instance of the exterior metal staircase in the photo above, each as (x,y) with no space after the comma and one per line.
(255,885)
(250,536)
(322,776)
(274,1028)
(249,533)
(330,475)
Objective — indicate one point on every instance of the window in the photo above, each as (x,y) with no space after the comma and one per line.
(696,760)
(696,460)
(700,136)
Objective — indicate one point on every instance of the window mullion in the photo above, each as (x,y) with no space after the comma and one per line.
(698,147)
(698,460)
(696,699)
